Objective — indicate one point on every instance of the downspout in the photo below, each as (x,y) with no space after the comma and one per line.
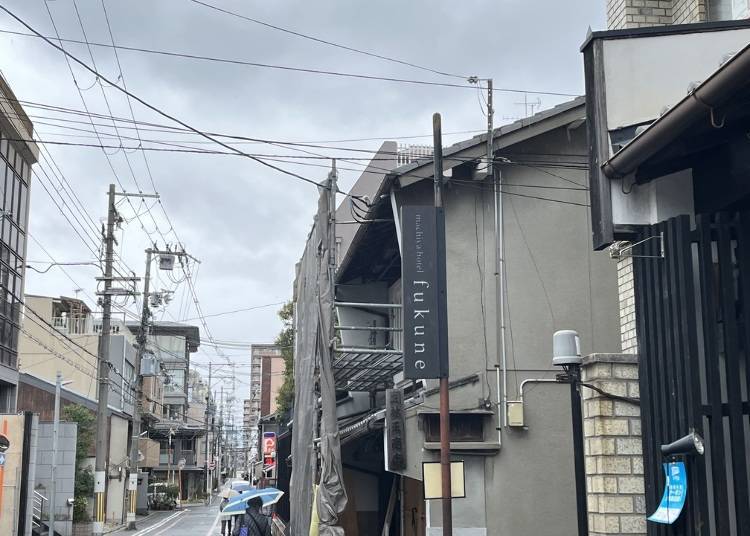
(501,366)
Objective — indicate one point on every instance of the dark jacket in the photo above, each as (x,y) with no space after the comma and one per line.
(256,523)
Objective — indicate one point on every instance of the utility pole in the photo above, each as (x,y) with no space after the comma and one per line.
(221,434)
(208,450)
(102,429)
(445,453)
(141,339)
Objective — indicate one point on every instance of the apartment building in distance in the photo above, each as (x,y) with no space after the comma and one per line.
(16,160)
(266,377)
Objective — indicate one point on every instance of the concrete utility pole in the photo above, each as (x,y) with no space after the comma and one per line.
(208,444)
(102,428)
(220,450)
(445,449)
(141,339)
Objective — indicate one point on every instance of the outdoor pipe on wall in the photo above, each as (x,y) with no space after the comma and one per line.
(502,405)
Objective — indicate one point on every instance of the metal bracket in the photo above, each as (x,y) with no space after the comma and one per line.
(617,252)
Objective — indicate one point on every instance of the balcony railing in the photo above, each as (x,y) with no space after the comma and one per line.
(73,326)
(190,457)
(84,325)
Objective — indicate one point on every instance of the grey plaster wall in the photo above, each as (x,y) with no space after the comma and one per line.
(554,281)
(65,473)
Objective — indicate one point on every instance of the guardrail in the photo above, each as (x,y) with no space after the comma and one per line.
(38,509)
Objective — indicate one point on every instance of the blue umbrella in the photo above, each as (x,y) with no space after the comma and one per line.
(242,486)
(238,504)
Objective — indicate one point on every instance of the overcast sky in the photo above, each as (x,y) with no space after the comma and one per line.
(246,223)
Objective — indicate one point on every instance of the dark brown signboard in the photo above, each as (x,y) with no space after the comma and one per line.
(424,302)
(395,429)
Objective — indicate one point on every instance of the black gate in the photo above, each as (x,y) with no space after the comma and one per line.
(692,288)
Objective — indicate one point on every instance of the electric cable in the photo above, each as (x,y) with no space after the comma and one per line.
(154,108)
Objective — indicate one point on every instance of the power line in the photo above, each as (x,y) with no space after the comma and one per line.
(235,311)
(329,43)
(152,107)
(531,158)
(307,70)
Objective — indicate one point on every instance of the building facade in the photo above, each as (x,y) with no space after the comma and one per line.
(623,14)
(669,199)
(552,281)
(62,335)
(266,378)
(16,161)
(176,420)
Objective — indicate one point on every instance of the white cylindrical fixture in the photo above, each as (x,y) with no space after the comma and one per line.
(566,348)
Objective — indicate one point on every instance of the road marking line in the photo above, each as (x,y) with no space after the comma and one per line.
(167,528)
(212,530)
(158,524)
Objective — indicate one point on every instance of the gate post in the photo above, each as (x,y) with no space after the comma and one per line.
(614,464)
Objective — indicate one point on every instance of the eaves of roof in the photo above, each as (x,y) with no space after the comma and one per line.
(716,90)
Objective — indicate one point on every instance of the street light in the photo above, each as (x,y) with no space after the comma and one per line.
(566,353)
(55,428)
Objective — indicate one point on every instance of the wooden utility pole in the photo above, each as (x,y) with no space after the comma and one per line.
(102,419)
(445,449)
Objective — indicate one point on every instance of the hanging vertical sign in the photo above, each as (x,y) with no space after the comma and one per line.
(395,430)
(675,493)
(269,454)
(424,298)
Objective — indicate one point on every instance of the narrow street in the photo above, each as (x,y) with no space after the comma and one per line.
(197,520)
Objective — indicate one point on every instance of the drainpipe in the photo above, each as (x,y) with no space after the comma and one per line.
(501,366)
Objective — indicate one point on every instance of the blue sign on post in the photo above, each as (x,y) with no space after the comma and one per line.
(675,492)
(2,460)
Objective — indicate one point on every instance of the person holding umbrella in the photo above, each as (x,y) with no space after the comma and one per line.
(226,523)
(253,522)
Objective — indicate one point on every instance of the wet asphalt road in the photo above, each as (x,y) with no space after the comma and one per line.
(197,520)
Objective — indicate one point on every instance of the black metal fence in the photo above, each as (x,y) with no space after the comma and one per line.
(692,288)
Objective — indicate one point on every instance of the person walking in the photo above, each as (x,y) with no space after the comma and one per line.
(226,523)
(253,522)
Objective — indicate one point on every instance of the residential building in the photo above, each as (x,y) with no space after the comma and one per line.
(61,334)
(180,426)
(18,157)
(669,199)
(266,377)
(552,281)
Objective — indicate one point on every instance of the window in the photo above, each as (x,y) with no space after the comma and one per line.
(176,381)
(727,9)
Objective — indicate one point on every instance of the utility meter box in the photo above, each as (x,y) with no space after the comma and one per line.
(515,414)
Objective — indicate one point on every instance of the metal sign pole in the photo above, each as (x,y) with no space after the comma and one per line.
(445,462)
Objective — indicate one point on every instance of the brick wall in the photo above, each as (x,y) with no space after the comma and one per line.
(638,13)
(614,465)
(687,11)
(626,294)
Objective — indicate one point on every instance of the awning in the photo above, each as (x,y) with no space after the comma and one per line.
(361,369)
